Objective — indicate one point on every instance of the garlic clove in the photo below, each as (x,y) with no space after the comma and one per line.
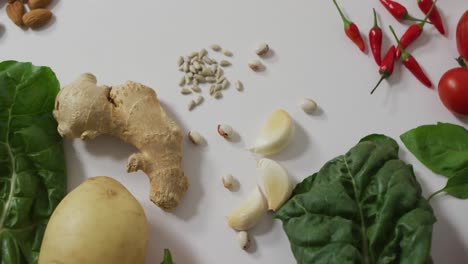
(249,211)
(275,135)
(276,183)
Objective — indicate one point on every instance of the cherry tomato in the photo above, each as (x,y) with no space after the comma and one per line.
(453,90)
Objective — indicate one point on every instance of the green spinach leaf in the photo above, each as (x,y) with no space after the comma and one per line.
(457,186)
(443,147)
(32,165)
(361,207)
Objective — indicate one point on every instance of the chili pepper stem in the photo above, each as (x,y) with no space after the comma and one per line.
(378,83)
(345,21)
(376,25)
(425,20)
(404,54)
(411,18)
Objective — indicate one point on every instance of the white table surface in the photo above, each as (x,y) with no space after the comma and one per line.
(140,40)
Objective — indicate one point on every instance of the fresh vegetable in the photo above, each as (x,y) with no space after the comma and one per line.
(434,16)
(249,211)
(453,90)
(361,207)
(462,39)
(132,113)
(375,40)
(276,182)
(98,222)
(32,163)
(276,134)
(414,31)
(443,147)
(167,257)
(398,11)
(386,67)
(411,64)
(351,30)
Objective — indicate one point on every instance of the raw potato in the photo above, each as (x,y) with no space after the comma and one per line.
(131,112)
(99,222)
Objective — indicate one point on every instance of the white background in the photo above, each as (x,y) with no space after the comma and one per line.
(141,40)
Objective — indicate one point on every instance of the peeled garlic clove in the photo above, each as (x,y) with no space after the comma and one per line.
(249,212)
(276,183)
(275,134)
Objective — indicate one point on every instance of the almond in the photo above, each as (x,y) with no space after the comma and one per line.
(37,18)
(15,12)
(35,4)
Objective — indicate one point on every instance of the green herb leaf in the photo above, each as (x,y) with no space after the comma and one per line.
(167,257)
(443,147)
(361,207)
(32,165)
(457,185)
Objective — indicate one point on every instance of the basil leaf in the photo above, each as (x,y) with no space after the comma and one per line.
(32,165)
(361,207)
(443,147)
(457,185)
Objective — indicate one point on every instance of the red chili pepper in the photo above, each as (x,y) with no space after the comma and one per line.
(434,17)
(411,64)
(351,30)
(386,67)
(413,32)
(375,40)
(397,10)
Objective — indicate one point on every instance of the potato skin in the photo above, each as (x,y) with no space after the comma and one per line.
(99,222)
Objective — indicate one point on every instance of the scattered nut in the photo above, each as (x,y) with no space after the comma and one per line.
(215,47)
(262,49)
(202,53)
(182,81)
(239,86)
(180,61)
(255,65)
(227,53)
(228,181)
(37,18)
(210,79)
(199,99)
(308,105)
(35,4)
(225,131)
(243,239)
(195,137)
(15,12)
(196,88)
(224,63)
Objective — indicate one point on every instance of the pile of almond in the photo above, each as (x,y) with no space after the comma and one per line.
(37,16)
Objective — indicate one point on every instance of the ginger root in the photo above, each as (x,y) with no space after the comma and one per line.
(132,113)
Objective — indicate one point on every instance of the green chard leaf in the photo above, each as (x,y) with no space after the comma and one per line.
(443,147)
(361,207)
(32,165)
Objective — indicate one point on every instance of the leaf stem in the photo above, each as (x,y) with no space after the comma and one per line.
(434,194)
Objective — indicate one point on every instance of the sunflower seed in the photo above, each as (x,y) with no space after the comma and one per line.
(220,80)
(239,86)
(202,53)
(196,88)
(195,81)
(225,84)
(216,47)
(186,59)
(180,61)
(185,91)
(182,81)
(207,72)
(224,63)
(186,66)
(196,65)
(192,69)
(188,80)
(190,74)
(199,99)
(255,65)
(227,53)
(191,105)
(219,73)
(262,49)
(194,59)
(212,89)
(218,95)
(193,54)
(208,60)
(210,79)
(218,88)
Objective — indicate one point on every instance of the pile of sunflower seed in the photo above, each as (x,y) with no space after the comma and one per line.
(198,69)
